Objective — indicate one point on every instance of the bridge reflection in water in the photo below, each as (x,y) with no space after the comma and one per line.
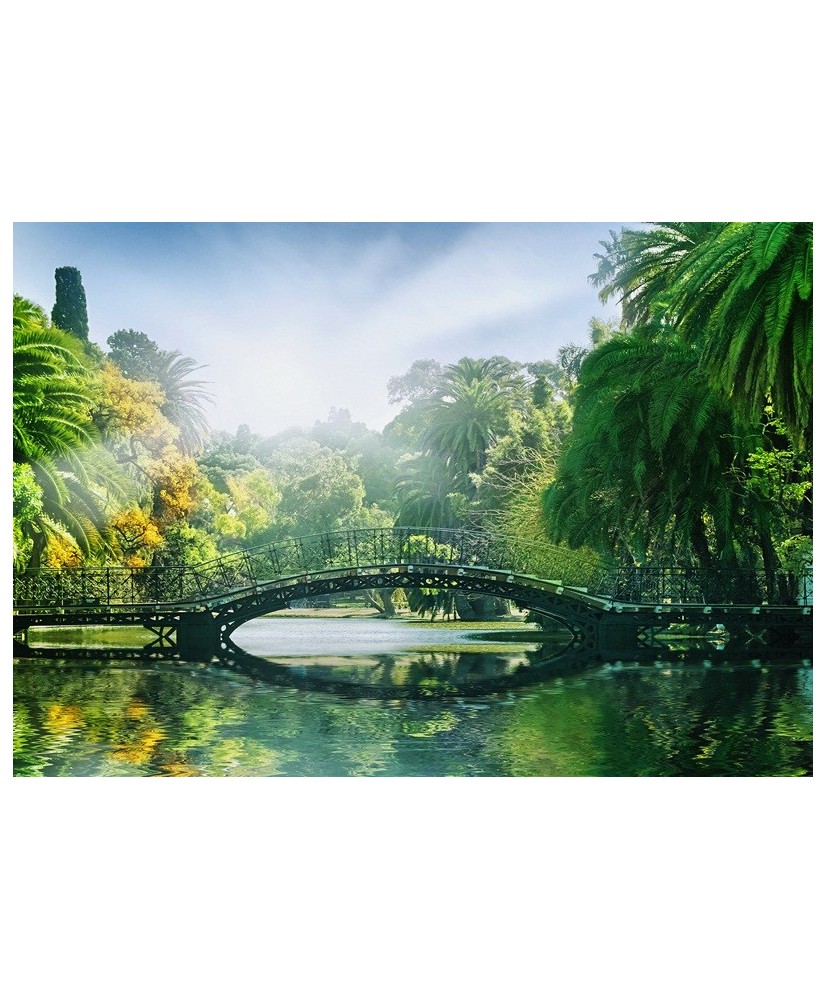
(608,609)
(415,676)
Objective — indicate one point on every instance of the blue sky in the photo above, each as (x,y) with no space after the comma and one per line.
(291,319)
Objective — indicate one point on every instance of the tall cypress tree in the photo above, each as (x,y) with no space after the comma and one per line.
(69,311)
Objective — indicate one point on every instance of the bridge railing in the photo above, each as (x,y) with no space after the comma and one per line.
(719,585)
(263,564)
(359,548)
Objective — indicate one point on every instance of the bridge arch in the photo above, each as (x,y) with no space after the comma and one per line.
(567,607)
(196,608)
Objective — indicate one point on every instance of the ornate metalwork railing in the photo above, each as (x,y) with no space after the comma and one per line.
(720,585)
(354,549)
(245,570)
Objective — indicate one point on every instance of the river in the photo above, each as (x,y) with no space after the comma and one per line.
(367,697)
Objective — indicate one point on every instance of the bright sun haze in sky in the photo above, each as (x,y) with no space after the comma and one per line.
(291,319)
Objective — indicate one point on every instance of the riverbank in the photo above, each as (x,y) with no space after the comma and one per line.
(514,621)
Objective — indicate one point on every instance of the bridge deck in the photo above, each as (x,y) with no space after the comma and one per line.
(589,596)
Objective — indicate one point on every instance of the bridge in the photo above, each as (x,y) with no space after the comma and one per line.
(608,609)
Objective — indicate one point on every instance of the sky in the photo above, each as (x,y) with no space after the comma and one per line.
(293,319)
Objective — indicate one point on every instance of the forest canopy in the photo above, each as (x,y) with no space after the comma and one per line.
(680,432)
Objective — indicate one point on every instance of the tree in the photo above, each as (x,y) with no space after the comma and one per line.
(338,430)
(52,399)
(137,536)
(469,410)
(175,479)
(185,545)
(27,510)
(463,424)
(256,503)
(134,353)
(222,462)
(418,382)
(184,398)
(69,312)
(427,495)
(130,418)
(320,491)
(741,292)
(532,443)
(649,469)
(375,461)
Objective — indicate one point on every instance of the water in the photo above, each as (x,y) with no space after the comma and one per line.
(394,710)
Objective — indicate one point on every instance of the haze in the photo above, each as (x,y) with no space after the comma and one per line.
(292,319)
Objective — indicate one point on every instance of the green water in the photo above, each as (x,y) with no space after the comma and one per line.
(121,717)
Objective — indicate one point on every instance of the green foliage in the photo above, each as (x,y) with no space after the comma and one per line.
(256,502)
(419,382)
(796,555)
(372,517)
(52,397)
(27,511)
(69,312)
(184,545)
(463,424)
(338,430)
(707,439)
(467,410)
(185,399)
(223,462)
(741,292)
(779,473)
(426,496)
(375,461)
(320,491)
(647,468)
(472,437)
(429,601)
(27,496)
(134,353)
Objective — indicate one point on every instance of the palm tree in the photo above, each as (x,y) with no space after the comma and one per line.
(52,431)
(648,469)
(49,400)
(141,359)
(498,370)
(469,409)
(464,423)
(742,292)
(185,398)
(428,495)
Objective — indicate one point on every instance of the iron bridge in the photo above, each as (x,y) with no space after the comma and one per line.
(193,610)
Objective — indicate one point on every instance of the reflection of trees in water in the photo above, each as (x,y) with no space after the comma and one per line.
(429,673)
(71,719)
(114,722)
(724,722)
(451,666)
(665,721)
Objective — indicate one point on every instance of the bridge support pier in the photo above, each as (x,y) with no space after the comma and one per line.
(617,637)
(197,636)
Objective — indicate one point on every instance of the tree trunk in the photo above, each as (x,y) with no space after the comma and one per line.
(480,607)
(770,565)
(382,600)
(38,548)
(699,543)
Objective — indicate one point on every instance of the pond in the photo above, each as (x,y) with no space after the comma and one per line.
(410,699)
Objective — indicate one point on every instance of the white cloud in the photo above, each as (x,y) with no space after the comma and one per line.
(290,322)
